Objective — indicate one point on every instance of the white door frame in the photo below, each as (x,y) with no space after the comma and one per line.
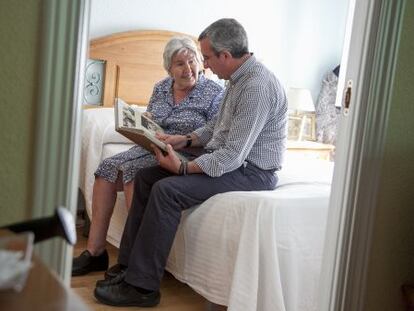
(57,135)
(369,62)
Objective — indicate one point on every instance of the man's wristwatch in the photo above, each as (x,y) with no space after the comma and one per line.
(189,141)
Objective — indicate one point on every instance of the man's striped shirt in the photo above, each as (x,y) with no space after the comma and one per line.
(250,125)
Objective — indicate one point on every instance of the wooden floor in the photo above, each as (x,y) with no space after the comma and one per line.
(175,296)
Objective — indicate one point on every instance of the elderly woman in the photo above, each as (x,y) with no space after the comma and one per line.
(181,103)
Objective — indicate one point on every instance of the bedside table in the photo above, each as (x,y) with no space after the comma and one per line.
(309,149)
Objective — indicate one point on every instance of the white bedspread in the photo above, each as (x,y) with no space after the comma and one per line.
(258,251)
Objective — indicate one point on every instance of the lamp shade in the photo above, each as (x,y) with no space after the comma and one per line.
(300,99)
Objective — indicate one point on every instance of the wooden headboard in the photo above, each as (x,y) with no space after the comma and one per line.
(133,64)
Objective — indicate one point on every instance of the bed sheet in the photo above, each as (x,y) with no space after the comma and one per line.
(254,251)
(258,250)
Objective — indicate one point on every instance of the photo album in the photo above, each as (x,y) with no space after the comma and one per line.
(134,125)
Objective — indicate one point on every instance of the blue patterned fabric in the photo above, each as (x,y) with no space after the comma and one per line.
(193,112)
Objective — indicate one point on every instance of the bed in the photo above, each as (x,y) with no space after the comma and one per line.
(245,250)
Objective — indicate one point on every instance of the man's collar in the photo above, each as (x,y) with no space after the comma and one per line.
(242,69)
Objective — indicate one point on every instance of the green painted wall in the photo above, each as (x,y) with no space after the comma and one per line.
(19,47)
(392,256)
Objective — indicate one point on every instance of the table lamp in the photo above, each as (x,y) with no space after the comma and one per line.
(300,100)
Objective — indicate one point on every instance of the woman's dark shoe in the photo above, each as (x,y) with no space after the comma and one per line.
(85,263)
(124,294)
(113,280)
(114,271)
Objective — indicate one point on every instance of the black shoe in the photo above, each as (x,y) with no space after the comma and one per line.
(124,294)
(114,271)
(86,263)
(113,280)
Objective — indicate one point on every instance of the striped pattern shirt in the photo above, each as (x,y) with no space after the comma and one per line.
(250,126)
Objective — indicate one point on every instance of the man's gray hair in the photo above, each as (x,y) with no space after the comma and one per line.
(177,45)
(227,34)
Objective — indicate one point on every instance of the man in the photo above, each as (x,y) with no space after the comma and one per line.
(244,147)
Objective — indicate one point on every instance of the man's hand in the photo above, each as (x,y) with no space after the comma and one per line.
(176,141)
(170,162)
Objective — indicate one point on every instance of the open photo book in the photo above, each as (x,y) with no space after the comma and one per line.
(134,125)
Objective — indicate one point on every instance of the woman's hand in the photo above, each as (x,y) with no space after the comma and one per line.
(170,162)
(176,141)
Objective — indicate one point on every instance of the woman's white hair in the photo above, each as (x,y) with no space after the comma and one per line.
(177,45)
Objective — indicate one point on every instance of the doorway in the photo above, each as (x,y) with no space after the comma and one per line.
(349,171)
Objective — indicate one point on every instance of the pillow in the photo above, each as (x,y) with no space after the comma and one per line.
(327,115)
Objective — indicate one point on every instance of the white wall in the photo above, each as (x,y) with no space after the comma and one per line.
(299,40)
